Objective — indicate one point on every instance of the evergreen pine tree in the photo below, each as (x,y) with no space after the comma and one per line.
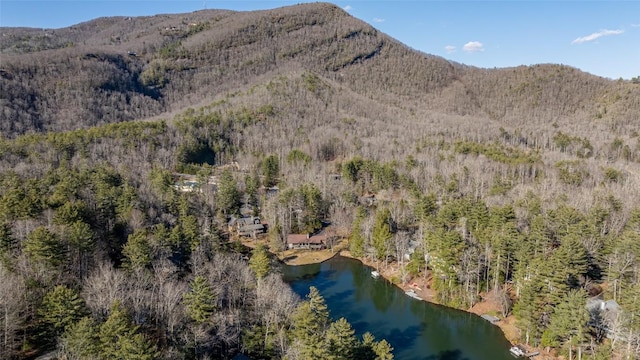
(309,332)
(538,236)
(80,340)
(119,339)
(199,301)
(137,251)
(7,242)
(43,245)
(190,233)
(313,208)
(252,182)
(228,194)
(381,234)
(370,349)
(318,306)
(356,241)
(61,307)
(309,325)
(528,309)
(568,324)
(260,262)
(270,170)
(341,341)
(383,350)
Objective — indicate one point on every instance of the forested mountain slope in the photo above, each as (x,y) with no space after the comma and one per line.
(87,74)
(519,184)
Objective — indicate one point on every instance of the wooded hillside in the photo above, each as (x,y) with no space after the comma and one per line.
(519,183)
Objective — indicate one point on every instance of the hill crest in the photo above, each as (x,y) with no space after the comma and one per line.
(126,68)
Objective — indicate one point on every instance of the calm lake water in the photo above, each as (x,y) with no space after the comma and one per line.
(416,329)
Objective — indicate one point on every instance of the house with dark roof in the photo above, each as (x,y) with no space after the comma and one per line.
(247,226)
(306,241)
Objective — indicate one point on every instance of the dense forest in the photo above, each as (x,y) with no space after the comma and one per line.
(521,183)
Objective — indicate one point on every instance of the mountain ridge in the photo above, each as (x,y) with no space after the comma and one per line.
(126,68)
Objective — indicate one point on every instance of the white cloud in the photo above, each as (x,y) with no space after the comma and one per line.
(473,46)
(378,20)
(635,25)
(450,49)
(596,35)
(347,8)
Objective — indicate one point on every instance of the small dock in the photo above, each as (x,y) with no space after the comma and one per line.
(490,318)
(518,351)
(413,294)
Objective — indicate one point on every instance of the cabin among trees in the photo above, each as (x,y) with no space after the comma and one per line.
(306,241)
(247,226)
(604,317)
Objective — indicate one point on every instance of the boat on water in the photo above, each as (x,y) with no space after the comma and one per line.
(517,351)
(413,294)
(375,274)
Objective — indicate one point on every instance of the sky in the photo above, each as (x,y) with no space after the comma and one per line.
(599,37)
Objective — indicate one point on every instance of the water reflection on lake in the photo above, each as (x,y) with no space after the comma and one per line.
(416,329)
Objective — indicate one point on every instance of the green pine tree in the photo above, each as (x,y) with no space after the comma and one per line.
(270,170)
(7,242)
(313,208)
(190,233)
(137,251)
(529,308)
(568,324)
(370,349)
(61,307)
(45,246)
(260,262)
(200,301)
(416,263)
(356,241)
(310,319)
(318,306)
(138,347)
(252,183)
(381,234)
(70,212)
(80,340)
(383,350)
(80,237)
(341,341)
(119,338)
(308,333)
(228,194)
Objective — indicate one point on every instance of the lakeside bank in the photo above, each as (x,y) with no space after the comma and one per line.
(421,285)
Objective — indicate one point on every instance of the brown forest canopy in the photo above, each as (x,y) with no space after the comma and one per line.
(522,182)
(122,68)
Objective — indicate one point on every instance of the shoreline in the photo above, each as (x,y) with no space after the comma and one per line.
(421,285)
(423,289)
(506,325)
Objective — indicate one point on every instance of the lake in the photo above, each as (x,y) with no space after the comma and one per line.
(416,329)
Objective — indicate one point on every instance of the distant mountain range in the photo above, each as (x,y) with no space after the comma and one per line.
(127,68)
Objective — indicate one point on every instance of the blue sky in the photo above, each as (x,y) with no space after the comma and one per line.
(600,37)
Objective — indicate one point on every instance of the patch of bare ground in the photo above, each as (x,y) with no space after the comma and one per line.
(304,257)
(297,256)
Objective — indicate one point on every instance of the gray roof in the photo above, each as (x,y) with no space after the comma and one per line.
(251,227)
(244,221)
